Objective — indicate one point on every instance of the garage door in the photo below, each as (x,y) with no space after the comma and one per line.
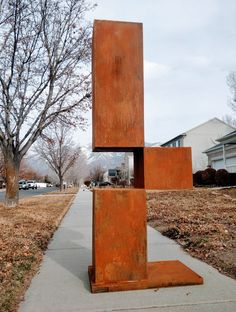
(218,164)
(231,164)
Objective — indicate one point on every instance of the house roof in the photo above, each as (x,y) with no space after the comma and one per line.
(155,144)
(214,148)
(174,139)
(202,124)
(210,120)
(229,138)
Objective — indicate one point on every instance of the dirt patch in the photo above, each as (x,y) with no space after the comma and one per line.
(24,235)
(202,221)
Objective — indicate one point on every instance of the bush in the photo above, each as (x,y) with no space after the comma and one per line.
(232,177)
(222,177)
(197,178)
(208,176)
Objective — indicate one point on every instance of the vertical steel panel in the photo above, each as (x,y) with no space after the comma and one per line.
(117,64)
(119,235)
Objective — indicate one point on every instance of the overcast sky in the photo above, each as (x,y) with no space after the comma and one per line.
(189,48)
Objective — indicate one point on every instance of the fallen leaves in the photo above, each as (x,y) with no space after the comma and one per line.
(24,235)
(202,220)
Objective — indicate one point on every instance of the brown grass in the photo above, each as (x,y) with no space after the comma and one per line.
(24,235)
(202,220)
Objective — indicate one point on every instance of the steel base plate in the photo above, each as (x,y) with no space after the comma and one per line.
(160,274)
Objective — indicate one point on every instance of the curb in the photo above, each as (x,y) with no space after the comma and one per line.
(58,222)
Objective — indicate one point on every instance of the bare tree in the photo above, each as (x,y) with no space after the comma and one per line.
(96,173)
(231,82)
(44,49)
(2,167)
(26,172)
(230,120)
(56,147)
(79,171)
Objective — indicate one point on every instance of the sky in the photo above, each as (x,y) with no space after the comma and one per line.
(189,49)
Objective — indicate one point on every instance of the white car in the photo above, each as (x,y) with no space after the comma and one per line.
(32,184)
(23,185)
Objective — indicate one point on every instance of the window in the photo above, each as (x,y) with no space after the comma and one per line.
(178,143)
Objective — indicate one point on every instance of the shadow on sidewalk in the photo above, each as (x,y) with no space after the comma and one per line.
(67,250)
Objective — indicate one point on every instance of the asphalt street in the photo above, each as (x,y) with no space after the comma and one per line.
(28,193)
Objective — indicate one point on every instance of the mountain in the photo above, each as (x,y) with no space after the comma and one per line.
(105,160)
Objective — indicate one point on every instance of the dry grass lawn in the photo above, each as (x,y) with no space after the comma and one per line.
(202,220)
(24,236)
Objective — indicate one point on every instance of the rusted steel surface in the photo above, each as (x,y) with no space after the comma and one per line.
(168,168)
(119,215)
(171,273)
(159,274)
(119,235)
(115,285)
(119,246)
(117,70)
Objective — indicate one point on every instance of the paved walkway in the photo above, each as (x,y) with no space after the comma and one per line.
(62,284)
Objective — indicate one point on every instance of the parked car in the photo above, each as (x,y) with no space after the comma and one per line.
(106,183)
(32,184)
(23,185)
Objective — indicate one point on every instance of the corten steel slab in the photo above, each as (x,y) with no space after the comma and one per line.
(117,72)
(167,168)
(171,273)
(119,236)
(159,274)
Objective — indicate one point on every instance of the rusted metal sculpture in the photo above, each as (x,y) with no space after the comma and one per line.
(119,215)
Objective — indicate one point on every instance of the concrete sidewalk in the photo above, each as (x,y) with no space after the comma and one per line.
(62,284)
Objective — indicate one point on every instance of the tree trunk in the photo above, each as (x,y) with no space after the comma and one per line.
(12,176)
(61,182)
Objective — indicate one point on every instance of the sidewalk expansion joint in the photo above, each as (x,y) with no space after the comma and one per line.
(164,306)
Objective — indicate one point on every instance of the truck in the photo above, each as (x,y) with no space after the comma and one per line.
(32,184)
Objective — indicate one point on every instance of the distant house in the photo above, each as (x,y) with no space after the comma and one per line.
(118,174)
(223,154)
(200,139)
